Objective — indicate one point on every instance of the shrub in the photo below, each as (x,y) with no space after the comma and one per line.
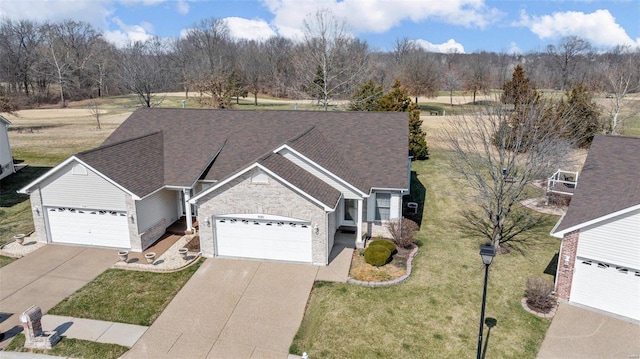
(403,232)
(377,255)
(539,295)
(384,243)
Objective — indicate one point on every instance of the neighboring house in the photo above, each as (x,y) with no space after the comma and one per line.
(6,159)
(263,184)
(599,261)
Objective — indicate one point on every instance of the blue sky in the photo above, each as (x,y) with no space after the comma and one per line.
(438,25)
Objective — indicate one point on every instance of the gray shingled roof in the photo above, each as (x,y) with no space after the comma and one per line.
(136,164)
(302,179)
(368,148)
(609,181)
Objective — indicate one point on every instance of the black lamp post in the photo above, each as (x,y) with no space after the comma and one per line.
(487,252)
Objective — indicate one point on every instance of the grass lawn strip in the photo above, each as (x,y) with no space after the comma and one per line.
(125,296)
(435,312)
(72,348)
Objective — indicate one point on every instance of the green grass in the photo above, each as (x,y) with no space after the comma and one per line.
(125,296)
(436,312)
(72,348)
(5,260)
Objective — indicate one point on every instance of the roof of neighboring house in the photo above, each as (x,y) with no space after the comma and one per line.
(4,120)
(609,182)
(366,149)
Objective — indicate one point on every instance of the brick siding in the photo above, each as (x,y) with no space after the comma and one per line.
(566,264)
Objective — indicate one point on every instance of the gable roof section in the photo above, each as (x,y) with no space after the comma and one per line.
(609,183)
(4,120)
(313,145)
(375,144)
(298,177)
(136,164)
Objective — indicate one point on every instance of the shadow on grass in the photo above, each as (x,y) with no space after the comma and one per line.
(11,184)
(418,195)
(490,322)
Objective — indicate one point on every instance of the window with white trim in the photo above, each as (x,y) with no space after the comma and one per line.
(383,206)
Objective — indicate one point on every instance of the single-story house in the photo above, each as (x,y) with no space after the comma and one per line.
(262,184)
(599,260)
(6,158)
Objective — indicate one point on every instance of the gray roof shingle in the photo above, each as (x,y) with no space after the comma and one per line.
(609,182)
(367,148)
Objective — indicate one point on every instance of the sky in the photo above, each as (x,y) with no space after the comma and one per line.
(466,26)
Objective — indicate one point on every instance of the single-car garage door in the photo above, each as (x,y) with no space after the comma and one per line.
(263,237)
(607,287)
(88,227)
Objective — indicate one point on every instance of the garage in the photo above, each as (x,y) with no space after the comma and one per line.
(263,236)
(611,288)
(102,228)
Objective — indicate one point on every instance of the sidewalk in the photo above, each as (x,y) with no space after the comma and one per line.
(94,330)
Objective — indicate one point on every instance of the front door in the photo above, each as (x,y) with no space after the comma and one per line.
(349,212)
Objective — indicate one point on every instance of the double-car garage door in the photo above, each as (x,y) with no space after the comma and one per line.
(607,287)
(263,237)
(102,228)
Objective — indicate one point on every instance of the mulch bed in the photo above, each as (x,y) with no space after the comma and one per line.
(363,271)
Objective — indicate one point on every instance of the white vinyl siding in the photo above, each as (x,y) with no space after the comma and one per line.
(65,189)
(324,176)
(616,240)
(153,209)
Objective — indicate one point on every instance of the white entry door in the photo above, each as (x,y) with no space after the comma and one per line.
(606,287)
(263,237)
(89,227)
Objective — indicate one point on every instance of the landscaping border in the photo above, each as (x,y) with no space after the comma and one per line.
(549,315)
(398,280)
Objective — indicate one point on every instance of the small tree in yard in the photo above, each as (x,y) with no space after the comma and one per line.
(403,232)
(539,294)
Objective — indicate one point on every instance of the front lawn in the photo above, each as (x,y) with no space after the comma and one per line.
(436,312)
(72,348)
(124,296)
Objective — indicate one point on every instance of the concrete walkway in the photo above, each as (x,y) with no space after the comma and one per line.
(580,333)
(94,330)
(44,278)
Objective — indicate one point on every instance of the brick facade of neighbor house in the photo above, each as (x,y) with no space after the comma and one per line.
(566,264)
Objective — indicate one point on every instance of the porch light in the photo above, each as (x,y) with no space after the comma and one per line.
(132,218)
(316,229)
(36,209)
(207,222)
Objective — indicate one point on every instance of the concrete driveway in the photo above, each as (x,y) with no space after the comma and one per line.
(231,309)
(45,277)
(580,333)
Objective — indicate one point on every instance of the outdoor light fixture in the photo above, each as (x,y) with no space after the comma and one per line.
(132,218)
(207,222)
(316,229)
(37,210)
(487,252)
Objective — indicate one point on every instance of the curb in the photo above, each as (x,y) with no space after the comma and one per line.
(398,280)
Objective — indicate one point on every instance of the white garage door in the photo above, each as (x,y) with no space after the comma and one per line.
(606,287)
(263,237)
(89,227)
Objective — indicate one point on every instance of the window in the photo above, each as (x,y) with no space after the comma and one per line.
(383,206)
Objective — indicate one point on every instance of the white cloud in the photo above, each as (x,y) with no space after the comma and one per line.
(599,27)
(514,49)
(378,16)
(128,33)
(445,48)
(183,7)
(93,12)
(241,28)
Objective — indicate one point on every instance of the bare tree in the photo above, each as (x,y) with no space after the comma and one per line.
(94,107)
(620,77)
(451,82)
(420,72)
(331,62)
(477,76)
(19,44)
(144,71)
(566,56)
(497,175)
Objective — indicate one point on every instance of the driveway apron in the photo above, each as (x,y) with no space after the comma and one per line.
(580,333)
(231,309)
(46,277)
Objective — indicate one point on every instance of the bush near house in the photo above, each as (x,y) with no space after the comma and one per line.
(403,232)
(377,255)
(539,297)
(384,243)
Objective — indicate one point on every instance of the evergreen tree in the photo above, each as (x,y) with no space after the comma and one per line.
(366,97)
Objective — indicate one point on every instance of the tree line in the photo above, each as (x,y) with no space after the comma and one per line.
(54,62)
